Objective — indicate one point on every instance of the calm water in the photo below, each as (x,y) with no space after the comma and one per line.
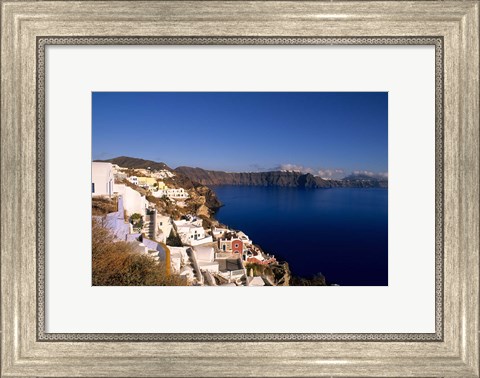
(342,233)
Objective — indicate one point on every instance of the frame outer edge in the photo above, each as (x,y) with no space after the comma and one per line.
(12,159)
(469,162)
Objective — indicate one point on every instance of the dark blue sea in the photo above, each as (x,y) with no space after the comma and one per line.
(341,233)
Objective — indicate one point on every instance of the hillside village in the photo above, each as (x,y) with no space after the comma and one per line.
(174,225)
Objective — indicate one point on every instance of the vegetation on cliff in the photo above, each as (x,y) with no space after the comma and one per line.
(116,263)
(317,280)
(102,206)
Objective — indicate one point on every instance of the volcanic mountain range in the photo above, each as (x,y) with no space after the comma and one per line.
(272,178)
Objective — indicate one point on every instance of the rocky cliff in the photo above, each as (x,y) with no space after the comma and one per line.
(202,198)
(194,178)
(276,178)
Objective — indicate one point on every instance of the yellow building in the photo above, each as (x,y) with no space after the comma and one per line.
(147,181)
(162,186)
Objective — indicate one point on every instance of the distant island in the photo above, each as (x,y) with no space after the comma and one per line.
(291,179)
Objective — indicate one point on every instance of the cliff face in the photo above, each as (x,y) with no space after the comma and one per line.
(202,198)
(197,178)
(276,178)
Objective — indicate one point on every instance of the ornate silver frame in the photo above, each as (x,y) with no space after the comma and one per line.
(42,42)
(452,26)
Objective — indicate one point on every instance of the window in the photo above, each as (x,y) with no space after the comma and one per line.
(93,187)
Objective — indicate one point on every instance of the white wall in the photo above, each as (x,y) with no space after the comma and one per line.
(171,193)
(194,242)
(165,227)
(133,201)
(102,179)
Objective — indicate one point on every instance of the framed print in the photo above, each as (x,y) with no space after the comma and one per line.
(240,188)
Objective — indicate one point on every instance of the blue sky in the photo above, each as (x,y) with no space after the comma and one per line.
(330,134)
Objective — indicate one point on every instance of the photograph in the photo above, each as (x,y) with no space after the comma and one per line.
(239,188)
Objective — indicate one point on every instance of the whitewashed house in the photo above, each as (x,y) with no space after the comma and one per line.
(244,238)
(102,179)
(178,258)
(163,173)
(172,193)
(133,180)
(164,224)
(177,193)
(206,259)
(133,201)
(192,233)
(234,242)
(187,273)
(219,232)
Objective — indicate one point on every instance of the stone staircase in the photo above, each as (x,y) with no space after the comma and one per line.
(149,226)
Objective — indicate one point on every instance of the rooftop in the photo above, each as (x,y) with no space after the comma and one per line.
(229,264)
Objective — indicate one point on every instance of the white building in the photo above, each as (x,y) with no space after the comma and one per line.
(206,259)
(218,232)
(102,179)
(178,258)
(164,224)
(133,180)
(163,173)
(187,272)
(234,242)
(133,201)
(159,193)
(172,193)
(177,193)
(192,233)
(244,238)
